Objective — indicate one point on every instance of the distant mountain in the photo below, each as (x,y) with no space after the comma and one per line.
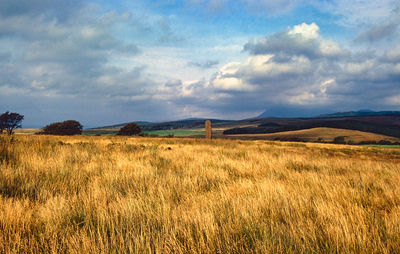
(364,112)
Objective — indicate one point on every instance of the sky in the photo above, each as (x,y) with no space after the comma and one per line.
(108,62)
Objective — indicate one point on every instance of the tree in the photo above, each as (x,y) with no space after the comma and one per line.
(129,130)
(10,121)
(69,127)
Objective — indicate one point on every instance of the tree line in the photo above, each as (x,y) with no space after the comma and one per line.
(11,121)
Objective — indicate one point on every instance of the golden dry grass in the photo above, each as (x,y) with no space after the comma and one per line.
(327,134)
(141,195)
(26,131)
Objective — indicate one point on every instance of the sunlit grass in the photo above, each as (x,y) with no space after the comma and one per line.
(117,194)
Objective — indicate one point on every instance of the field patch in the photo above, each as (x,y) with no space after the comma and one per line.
(177,132)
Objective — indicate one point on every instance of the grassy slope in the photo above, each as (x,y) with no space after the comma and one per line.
(115,194)
(328,134)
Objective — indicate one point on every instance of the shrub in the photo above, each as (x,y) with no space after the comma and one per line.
(339,140)
(69,127)
(367,142)
(384,142)
(129,130)
(351,142)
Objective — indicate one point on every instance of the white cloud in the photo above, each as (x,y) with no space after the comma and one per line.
(330,48)
(232,84)
(302,99)
(307,32)
(324,85)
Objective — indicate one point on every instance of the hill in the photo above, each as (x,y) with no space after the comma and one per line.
(361,113)
(320,134)
(291,112)
(388,125)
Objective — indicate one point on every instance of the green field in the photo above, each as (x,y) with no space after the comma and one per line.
(385,146)
(178,132)
(98,133)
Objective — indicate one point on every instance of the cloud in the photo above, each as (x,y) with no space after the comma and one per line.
(85,62)
(303,39)
(298,71)
(59,9)
(56,61)
(360,12)
(273,8)
(204,65)
(377,32)
(393,55)
(167,34)
(393,100)
(263,7)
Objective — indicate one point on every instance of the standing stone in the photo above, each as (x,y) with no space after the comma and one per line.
(208,129)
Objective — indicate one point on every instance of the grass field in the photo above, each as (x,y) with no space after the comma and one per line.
(110,194)
(26,131)
(327,134)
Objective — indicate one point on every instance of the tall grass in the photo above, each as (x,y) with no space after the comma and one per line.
(135,195)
